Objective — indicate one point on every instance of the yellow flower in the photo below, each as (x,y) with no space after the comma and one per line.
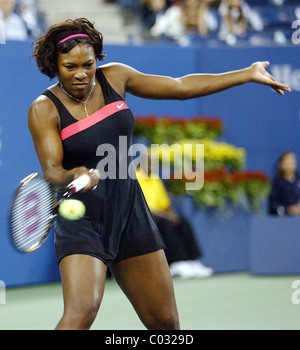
(220,152)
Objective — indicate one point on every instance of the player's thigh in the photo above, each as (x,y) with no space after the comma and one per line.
(147,282)
(83,280)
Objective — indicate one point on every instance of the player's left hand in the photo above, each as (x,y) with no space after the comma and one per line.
(260,75)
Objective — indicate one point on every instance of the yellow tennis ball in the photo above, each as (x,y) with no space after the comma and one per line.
(72,209)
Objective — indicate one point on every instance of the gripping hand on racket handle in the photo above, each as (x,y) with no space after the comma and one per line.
(92,182)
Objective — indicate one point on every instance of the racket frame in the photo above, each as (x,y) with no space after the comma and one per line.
(73,187)
(53,204)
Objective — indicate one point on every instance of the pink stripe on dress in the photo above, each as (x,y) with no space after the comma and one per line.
(93,119)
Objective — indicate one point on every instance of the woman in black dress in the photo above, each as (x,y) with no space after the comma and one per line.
(68,123)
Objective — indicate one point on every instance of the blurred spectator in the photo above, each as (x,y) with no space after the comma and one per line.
(233,18)
(186,16)
(14,25)
(208,21)
(130,10)
(192,17)
(236,18)
(195,16)
(33,16)
(169,24)
(285,194)
(150,10)
(212,22)
(183,252)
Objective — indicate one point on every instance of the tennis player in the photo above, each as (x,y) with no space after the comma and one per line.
(83,110)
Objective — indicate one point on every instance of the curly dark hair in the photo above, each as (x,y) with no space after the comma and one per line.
(46,48)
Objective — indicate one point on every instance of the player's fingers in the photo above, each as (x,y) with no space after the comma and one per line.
(280,91)
(265,64)
(271,77)
(96,173)
(280,86)
(95,177)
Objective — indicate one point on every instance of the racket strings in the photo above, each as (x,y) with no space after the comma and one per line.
(31,214)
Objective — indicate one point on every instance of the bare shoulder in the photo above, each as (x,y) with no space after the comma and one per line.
(117,68)
(118,75)
(42,112)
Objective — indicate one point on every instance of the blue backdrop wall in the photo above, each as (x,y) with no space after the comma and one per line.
(255,118)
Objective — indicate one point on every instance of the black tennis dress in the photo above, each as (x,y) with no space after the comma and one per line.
(117,223)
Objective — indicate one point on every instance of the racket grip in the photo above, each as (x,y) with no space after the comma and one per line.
(78,184)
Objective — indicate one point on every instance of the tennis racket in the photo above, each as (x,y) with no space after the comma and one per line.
(33,208)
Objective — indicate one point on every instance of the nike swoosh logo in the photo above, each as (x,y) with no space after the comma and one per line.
(120,106)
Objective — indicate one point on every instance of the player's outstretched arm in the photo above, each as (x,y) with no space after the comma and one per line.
(193,85)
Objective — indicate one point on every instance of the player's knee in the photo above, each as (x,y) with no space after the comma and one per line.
(87,317)
(165,321)
(82,315)
(170,323)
